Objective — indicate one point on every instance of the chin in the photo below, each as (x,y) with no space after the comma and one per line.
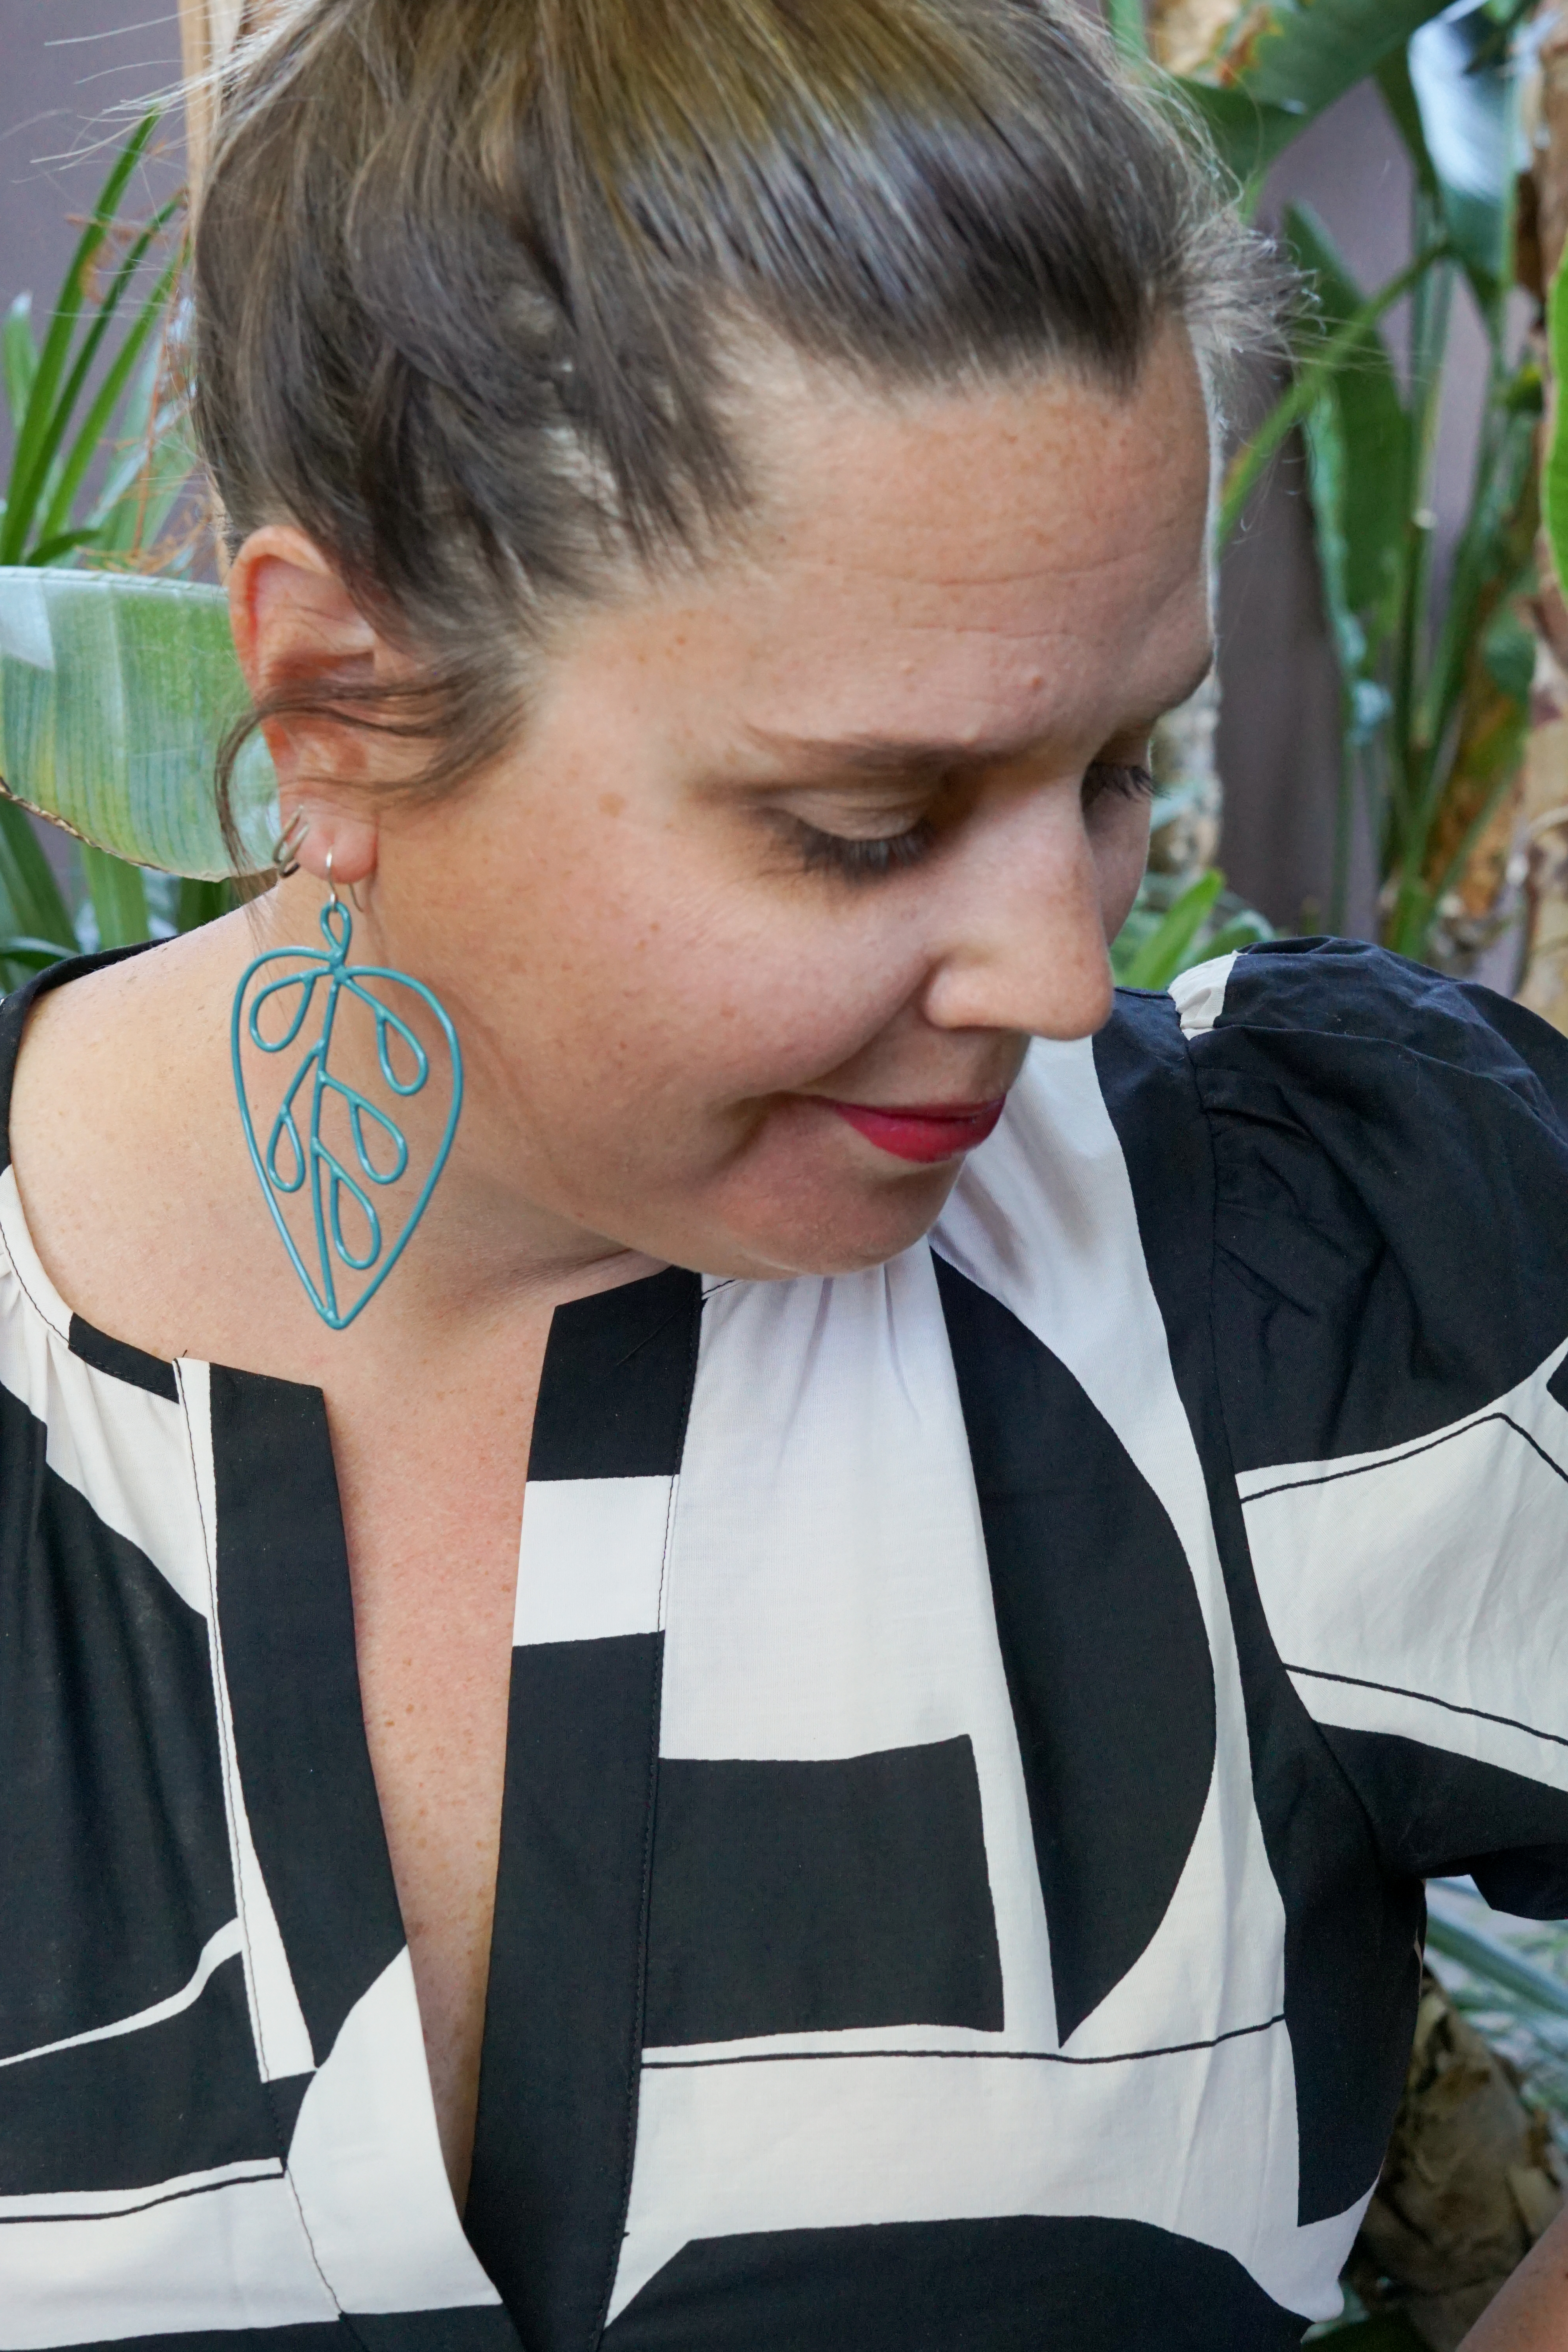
(835,1235)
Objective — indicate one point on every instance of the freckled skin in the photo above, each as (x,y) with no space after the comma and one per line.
(657,996)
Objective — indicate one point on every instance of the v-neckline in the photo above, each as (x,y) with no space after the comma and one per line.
(286,1628)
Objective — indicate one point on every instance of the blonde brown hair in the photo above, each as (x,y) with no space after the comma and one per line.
(471,276)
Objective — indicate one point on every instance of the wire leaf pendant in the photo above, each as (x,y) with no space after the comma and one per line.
(297,1156)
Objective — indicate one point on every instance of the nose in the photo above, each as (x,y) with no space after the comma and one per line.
(1022,944)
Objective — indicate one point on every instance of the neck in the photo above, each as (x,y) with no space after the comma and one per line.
(483,1250)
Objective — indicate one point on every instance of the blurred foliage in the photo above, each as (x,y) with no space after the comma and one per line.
(1435,670)
(115,695)
(1177,924)
(101,461)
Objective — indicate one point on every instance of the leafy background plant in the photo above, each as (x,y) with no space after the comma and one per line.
(1436,659)
(1438,664)
(101,460)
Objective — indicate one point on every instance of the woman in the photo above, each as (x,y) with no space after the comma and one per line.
(1041,1520)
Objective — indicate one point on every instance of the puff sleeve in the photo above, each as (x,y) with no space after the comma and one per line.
(1390,1299)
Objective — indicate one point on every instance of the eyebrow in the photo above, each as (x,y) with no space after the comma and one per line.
(887,757)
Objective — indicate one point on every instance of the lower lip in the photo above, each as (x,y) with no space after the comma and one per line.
(924,1135)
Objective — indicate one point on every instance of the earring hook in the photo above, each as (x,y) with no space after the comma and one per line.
(334,900)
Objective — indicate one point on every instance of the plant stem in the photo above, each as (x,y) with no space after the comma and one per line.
(1292,405)
(1413,756)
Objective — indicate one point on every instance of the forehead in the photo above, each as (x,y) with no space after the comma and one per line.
(1020,565)
(1024,551)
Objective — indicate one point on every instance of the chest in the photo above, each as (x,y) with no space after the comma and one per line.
(432,1495)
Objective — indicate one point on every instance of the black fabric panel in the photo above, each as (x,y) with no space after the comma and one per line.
(129,1364)
(485,2329)
(1103,1642)
(1438,1815)
(557,2114)
(1352,1931)
(395,2331)
(617,1382)
(15,1007)
(114,1864)
(308,2336)
(1017,2285)
(798,1897)
(1391,1151)
(287,1614)
(180,2096)
(1532,1880)
(1557,1386)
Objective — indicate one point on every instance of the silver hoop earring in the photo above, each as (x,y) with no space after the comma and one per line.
(286,848)
(334,900)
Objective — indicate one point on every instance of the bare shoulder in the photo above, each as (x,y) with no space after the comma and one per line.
(126,1152)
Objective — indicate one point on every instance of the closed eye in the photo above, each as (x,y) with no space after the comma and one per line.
(859,858)
(1128,778)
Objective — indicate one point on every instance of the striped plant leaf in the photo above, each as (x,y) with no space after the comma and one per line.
(115,693)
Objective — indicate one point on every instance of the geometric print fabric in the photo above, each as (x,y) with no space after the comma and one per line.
(960,1854)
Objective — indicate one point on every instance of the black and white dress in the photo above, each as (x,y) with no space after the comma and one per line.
(978,1731)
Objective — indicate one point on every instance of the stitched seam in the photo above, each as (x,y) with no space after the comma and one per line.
(46,1319)
(639,1997)
(647,1339)
(220,1693)
(664,1556)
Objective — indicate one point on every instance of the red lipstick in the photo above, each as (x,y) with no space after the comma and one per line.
(925,1130)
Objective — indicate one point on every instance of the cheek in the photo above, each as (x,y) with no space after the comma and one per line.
(656,980)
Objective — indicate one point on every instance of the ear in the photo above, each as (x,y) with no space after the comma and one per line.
(296,627)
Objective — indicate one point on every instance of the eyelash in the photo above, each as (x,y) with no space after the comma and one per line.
(872,860)
(1128,778)
(861,860)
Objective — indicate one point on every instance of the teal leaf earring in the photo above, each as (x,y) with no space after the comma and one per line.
(293,1163)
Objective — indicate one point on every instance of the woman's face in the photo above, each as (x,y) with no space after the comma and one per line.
(831,830)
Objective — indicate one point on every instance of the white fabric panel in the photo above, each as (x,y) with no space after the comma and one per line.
(591,1561)
(1199,994)
(828,1594)
(277,2021)
(218,1948)
(225,2257)
(27,1265)
(124,1450)
(366,2163)
(1356,1706)
(1435,1569)
(1043,1218)
(784,2146)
